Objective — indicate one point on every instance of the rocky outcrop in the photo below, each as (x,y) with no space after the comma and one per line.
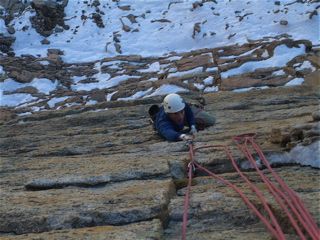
(199,71)
(49,15)
(48,19)
(78,162)
(124,77)
(5,43)
(98,170)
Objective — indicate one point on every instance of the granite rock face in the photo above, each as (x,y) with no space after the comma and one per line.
(90,171)
(89,166)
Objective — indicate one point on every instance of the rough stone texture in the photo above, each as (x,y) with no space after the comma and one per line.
(98,171)
(78,172)
(214,207)
(72,207)
(5,43)
(191,69)
(143,230)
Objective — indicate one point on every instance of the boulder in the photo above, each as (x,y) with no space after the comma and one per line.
(6,42)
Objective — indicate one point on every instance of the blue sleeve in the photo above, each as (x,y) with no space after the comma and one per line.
(166,128)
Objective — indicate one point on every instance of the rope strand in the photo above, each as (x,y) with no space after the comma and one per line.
(296,205)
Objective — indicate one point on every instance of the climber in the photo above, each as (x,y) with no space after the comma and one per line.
(170,119)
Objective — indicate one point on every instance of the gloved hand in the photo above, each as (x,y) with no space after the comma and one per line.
(184,137)
(193,130)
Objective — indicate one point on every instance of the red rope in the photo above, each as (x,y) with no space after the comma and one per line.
(304,217)
(278,235)
(202,119)
(297,206)
(195,113)
(186,202)
(271,187)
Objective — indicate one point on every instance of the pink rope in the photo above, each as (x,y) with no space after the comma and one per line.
(273,190)
(184,224)
(186,202)
(297,207)
(202,119)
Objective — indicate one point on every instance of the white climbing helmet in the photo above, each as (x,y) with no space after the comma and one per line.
(173,103)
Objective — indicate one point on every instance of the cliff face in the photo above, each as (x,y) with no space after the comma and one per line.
(59,53)
(92,172)
(78,162)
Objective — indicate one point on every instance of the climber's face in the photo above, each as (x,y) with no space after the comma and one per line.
(177,117)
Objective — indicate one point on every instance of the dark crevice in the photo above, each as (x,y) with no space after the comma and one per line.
(38,187)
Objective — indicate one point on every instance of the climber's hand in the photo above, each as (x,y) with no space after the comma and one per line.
(193,130)
(184,137)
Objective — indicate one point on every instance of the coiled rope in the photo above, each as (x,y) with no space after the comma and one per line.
(296,205)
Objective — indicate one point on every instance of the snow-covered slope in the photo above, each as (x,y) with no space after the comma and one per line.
(162,29)
(157,28)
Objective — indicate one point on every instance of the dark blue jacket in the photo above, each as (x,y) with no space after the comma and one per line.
(169,129)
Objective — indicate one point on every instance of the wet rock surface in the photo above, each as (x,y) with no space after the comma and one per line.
(99,170)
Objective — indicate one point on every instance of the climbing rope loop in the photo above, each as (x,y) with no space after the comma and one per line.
(287,198)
